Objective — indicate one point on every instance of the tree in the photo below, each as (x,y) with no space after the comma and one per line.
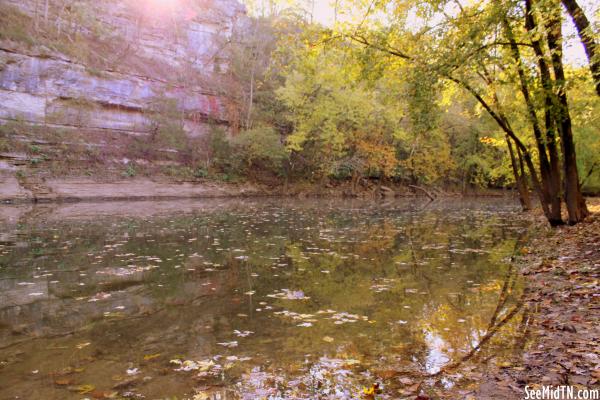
(586,35)
(340,124)
(471,41)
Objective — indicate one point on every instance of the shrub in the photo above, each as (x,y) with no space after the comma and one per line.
(200,173)
(166,124)
(130,172)
(260,147)
(221,151)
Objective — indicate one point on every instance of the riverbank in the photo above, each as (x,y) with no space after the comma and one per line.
(560,314)
(19,189)
(556,269)
(81,189)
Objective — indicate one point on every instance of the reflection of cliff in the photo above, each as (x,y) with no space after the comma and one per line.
(13,293)
(139,285)
(43,308)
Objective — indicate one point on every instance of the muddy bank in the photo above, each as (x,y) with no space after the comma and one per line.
(15,189)
(560,314)
(82,189)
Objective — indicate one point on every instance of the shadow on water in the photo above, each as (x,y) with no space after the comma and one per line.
(246,299)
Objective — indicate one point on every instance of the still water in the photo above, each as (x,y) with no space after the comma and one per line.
(250,299)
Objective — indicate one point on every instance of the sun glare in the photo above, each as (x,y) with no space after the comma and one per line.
(164,4)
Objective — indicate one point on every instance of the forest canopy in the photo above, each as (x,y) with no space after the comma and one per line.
(449,93)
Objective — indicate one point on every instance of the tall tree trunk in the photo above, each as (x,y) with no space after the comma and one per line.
(524,178)
(549,121)
(551,193)
(519,178)
(584,30)
(503,123)
(573,197)
(500,120)
(46,6)
(255,55)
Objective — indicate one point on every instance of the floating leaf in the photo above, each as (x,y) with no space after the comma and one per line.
(233,343)
(85,389)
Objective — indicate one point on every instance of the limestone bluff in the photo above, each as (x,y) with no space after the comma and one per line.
(119,59)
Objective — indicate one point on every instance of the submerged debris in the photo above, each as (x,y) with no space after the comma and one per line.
(288,294)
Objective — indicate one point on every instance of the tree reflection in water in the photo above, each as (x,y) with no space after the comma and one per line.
(273,298)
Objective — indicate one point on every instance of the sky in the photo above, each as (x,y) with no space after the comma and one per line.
(573,50)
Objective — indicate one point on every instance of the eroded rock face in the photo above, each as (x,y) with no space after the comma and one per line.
(150,51)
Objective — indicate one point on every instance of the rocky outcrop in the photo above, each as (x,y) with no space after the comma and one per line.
(135,54)
(11,190)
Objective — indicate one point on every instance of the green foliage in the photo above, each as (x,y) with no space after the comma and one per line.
(260,147)
(221,153)
(130,171)
(585,106)
(72,28)
(166,124)
(341,125)
(370,99)
(14,25)
(200,172)
(38,160)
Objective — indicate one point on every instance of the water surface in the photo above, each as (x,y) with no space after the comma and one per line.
(248,299)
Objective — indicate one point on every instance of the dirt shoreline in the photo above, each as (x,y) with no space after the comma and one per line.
(63,190)
(561,268)
(14,191)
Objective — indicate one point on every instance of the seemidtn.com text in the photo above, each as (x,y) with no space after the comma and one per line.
(563,392)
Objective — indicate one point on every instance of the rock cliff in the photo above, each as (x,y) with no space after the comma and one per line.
(97,92)
(110,64)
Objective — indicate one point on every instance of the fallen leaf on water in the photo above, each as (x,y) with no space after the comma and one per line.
(369,393)
(387,374)
(191,365)
(85,389)
(328,339)
(148,357)
(233,343)
(124,382)
(99,394)
(504,364)
(406,381)
(242,333)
